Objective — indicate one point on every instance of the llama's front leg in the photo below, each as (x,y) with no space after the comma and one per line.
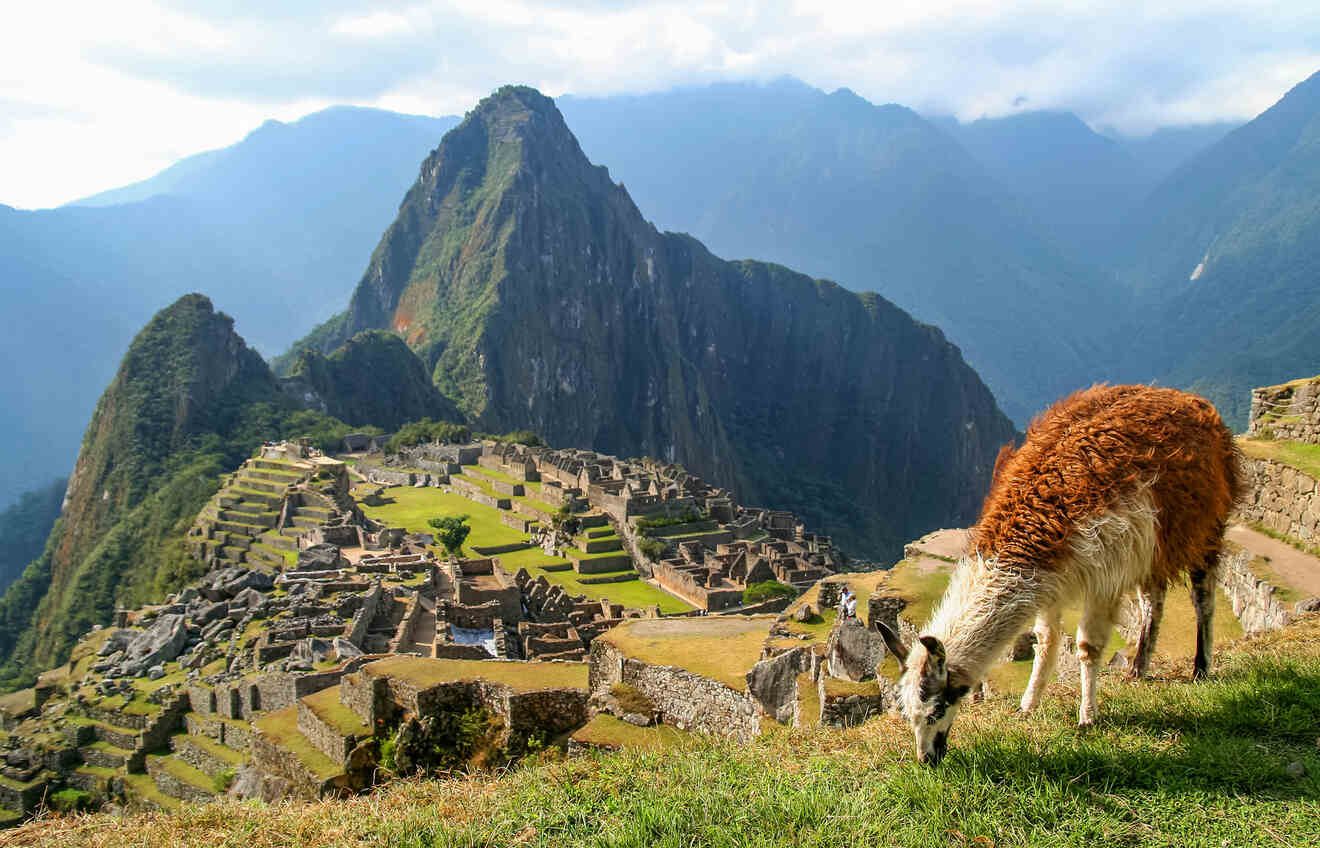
(1049,633)
(1150,603)
(1203,599)
(1092,637)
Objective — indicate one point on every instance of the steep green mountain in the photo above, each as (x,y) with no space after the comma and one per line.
(188,403)
(1224,258)
(276,225)
(875,197)
(539,298)
(24,528)
(373,379)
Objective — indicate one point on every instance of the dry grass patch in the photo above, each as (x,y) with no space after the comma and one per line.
(519,676)
(723,648)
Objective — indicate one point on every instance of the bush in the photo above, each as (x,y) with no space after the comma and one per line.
(426,430)
(652,549)
(70,800)
(222,781)
(452,532)
(766,590)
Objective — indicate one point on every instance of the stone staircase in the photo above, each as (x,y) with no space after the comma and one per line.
(241,524)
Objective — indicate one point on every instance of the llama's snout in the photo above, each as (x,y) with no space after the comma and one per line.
(939,747)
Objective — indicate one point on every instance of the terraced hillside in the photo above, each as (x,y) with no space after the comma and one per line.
(594,566)
(263,508)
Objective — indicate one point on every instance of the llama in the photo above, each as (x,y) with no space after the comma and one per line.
(1115,488)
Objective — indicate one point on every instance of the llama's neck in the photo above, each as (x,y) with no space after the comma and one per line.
(984,609)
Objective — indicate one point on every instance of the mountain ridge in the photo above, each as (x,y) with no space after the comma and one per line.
(529,283)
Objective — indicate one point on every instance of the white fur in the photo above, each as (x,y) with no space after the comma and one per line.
(986,607)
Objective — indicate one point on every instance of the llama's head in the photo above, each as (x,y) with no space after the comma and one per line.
(927,696)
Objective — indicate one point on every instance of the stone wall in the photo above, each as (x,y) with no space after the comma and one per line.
(361,623)
(1253,599)
(1290,411)
(1283,499)
(687,701)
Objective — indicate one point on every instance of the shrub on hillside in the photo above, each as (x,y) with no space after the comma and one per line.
(426,430)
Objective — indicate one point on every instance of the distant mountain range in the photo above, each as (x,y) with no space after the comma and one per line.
(1050,254)
(277,227)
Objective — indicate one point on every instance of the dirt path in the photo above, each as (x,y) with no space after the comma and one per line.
(1302,571)
(423,633)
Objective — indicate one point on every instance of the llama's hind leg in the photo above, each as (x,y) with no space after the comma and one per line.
(1203,598)
(1092,636)
(1049,634)
(1150,603)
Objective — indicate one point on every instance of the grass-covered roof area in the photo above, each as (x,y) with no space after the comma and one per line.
(519,676)
(723,648)
(327,707)
(1170,763)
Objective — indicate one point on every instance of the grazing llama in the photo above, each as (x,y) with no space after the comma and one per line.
(1115,488)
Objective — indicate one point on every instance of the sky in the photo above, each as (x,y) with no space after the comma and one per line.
(95,95)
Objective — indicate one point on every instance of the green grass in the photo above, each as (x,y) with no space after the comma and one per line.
(180,770)
(230,755)
(412,508)
(327,706)
(98,771)
(1303,456)
(281,727)
(1170,763)
(609,732)
(143,786)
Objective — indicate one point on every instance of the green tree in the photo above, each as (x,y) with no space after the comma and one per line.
(452,532)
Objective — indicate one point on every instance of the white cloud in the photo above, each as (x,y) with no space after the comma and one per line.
(94,95)
(374,25)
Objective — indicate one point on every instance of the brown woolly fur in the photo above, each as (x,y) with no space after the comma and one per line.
(1089,450)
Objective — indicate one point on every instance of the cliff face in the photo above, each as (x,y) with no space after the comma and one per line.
(540,298)
(189,397)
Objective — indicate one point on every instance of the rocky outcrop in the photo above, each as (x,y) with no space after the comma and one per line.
(539,298)
(853,650)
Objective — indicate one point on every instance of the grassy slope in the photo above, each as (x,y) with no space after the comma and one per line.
(1300,455)
(1170,763)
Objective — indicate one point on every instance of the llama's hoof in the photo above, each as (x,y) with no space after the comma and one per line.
(1086,723)
(1027,706)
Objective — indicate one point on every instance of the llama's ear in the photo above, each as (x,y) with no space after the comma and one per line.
(934,647)
(893,642)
